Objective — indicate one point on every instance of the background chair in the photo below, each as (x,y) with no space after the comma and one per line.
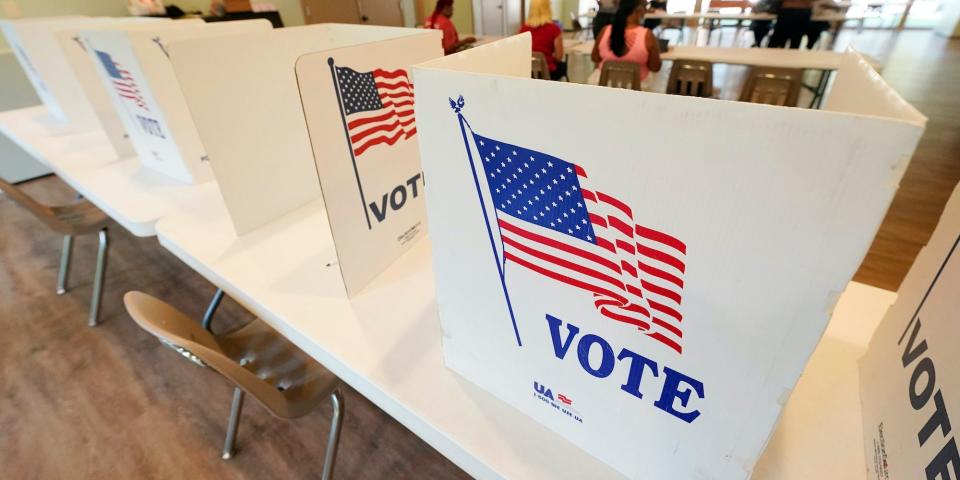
(538,66)
(620,74)
(256,359)
(78,218)
(691,78)
(772,86)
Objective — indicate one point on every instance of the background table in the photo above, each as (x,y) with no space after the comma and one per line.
(386,343)
(823,60)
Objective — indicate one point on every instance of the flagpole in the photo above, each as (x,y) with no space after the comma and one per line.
(346,131)
(486,219)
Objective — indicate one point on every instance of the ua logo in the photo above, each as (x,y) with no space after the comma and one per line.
(542,390)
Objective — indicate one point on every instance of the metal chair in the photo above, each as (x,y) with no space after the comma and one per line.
(620,74)
(539,68)
(258,361)
(691,78)
(772,86)
(80,218)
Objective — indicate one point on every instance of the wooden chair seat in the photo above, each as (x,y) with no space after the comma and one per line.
(691,78)
(78,218)
(620,74)
(258,360)
(539,68)
(72,219)
(772,86)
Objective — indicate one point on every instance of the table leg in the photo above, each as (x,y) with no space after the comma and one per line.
(821,89)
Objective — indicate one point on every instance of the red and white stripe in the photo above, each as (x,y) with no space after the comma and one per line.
(392,122)
(127,87)
(635,273)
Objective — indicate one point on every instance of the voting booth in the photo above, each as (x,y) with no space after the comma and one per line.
(35,46)
(321,113)
(134,67)
(909,388)
(93,99)
(650,296)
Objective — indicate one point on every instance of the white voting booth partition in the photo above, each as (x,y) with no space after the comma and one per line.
(134,66)
(244,95)
(909,385)
(358,103)
(93,99)
(35,47)
(651,298)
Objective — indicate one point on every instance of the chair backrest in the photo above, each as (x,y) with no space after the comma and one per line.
(187,337)
(539,67)
(691,78)
(620,74)
(772,86)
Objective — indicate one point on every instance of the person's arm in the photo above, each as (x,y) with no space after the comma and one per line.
(558,47)
(653,53)
(456,46)
(595,54)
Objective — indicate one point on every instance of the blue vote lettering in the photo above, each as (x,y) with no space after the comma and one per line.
(676,393)
(396,198)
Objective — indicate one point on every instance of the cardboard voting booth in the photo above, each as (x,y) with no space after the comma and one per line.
(135,68)
(92,99)
(294,115)
(908,381)
(650,295)
(35,47)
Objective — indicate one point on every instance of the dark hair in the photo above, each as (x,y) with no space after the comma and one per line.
(618,30)
(441,4)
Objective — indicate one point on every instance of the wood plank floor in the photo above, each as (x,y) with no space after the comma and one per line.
(111,402)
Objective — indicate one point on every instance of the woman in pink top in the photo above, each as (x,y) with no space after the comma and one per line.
(440,20)
(627,40)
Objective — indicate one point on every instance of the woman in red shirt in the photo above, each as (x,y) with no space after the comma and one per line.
(440,20)
(546,36)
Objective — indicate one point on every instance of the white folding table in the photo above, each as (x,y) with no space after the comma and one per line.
(386,344)
(135,197)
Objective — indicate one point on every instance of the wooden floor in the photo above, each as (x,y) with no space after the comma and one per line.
(111,402)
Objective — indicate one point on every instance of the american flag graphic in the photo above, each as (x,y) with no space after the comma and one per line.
(122,80)
(553,222)
(377,106)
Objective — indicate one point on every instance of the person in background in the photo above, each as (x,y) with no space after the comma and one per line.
(792,22)
(761,28)
(440,20)
(627,40)
(656,6)
(546,37)
(606,9)
(816,28)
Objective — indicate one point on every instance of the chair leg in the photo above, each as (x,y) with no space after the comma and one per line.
(212,309)
(64,264)
(333,442)
(229,443)
(98,279)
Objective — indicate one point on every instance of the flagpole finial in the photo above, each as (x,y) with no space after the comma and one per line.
(457,104)
(330,61)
